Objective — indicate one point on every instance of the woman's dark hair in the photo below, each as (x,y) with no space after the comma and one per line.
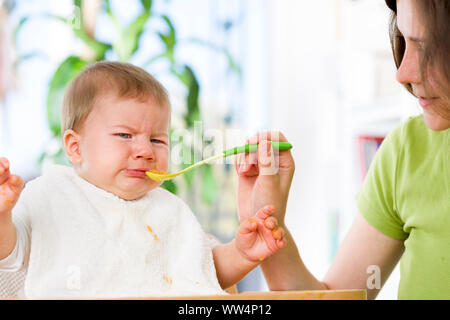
(435,15)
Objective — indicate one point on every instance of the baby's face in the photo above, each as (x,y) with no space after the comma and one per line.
(119,141)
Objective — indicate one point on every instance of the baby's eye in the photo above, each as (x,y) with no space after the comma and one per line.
(124,135)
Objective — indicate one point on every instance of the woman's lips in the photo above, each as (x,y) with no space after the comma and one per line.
(426,102)
(139,173)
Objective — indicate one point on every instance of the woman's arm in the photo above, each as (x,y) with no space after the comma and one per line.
(285,269)
(363,247)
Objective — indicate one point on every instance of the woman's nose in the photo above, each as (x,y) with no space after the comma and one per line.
(143,149)
(409,70)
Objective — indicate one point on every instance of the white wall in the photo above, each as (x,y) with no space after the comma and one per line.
(303,104)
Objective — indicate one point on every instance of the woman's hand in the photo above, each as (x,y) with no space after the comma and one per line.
(265,177)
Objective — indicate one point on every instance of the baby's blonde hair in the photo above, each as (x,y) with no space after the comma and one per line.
(106,77)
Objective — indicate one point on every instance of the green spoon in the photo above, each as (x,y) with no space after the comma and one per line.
(161,176)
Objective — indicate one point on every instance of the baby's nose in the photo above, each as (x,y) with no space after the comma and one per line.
(144,150)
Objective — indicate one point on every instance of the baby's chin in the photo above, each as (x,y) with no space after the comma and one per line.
(135,194)
(126,189)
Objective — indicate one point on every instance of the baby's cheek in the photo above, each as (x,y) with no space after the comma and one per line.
(163,161)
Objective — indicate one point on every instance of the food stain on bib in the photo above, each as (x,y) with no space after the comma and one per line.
(154,234)
(167,279)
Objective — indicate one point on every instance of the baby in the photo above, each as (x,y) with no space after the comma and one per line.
(102,228)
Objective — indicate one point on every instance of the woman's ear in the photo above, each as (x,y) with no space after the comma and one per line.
(71,141)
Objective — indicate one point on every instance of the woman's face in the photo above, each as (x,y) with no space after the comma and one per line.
(412,29)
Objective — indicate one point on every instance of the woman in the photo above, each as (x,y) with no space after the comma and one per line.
(404,203)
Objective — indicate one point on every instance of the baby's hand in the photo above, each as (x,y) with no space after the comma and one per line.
(10,187)
(259,237)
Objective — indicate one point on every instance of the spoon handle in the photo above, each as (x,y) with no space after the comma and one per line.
(277,145)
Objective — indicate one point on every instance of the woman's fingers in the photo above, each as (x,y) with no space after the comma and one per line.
(252,157)
(248,163)
(244,165)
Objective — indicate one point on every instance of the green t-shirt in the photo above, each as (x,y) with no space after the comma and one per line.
(406,195)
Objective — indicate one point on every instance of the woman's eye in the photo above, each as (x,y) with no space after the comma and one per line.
(124,135)
(156,141)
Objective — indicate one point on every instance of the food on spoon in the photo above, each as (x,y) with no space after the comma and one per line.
(156,175)
(157,172)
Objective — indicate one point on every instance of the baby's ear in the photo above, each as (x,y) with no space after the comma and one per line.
(71,141)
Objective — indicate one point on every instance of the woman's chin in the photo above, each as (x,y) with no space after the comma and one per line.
(434,121)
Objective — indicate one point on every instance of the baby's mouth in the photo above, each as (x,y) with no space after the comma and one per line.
(138,173)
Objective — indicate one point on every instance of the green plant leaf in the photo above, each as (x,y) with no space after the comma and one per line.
(128,40)
(170,186)
(180,73)
(169,39)
(28,56)
(154,58)
(147,4)
(188,78)
(66,71)
(98,47)
(232,64)
(18,28)
(78,3)
(210,188)
(188,160)
(193,110)
(112,16)
(59,157)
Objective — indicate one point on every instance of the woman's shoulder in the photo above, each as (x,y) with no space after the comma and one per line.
(398,147)
(414,136)
(408,135)
(405,131)
(414,126)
